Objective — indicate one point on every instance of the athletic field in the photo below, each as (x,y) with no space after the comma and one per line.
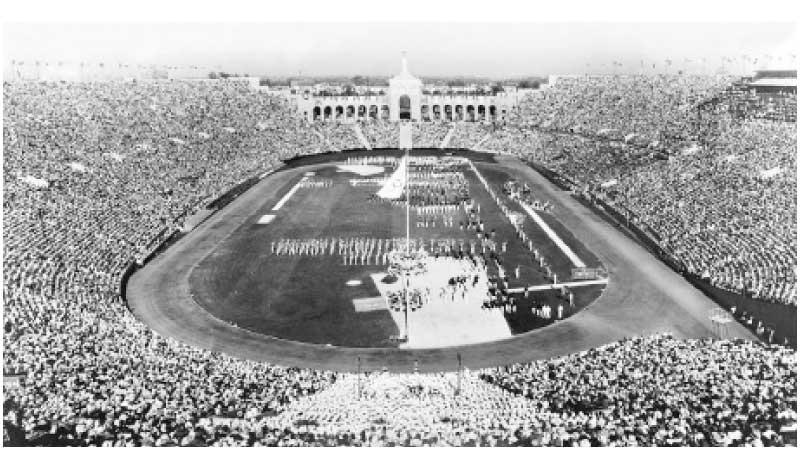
(228,286)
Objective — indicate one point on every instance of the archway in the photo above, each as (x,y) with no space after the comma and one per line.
(373,112)
(327,113)
(481,113)
(339,112)
(385,112)
(405,107)
(425,113)
(448,113)
(459,113)
(493,113)
(471,113)
(351,111)
(315,115)
(437,112)
(362,111)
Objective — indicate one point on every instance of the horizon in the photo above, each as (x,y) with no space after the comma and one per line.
(435,50)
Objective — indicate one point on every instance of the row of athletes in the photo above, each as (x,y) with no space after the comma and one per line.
(510,305)
(432,188)
(366,246)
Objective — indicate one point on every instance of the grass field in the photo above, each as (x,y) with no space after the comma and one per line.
(307,298)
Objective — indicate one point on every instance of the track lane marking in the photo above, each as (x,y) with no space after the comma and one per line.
(545,287)
(288,195)
(576,261)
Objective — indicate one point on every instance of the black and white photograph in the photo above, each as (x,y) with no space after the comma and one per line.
(405,224)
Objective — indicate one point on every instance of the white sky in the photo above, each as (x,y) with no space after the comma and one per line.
(373,47)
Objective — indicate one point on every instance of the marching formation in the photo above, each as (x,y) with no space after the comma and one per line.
(375,251)
(315,183)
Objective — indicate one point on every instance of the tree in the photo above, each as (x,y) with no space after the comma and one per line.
(529,84)
(349,90)
(456,83)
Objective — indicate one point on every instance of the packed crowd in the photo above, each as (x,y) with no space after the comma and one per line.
(707,393)
(728,212)
(429,135)
(652,107)
(340,136)
(381,134)
(664,391)
(119,163)
(469,135)
(94,173)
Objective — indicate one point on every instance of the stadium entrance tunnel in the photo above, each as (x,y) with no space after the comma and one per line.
(405,107)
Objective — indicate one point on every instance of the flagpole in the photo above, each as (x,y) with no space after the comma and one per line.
(408,237)
(408,207)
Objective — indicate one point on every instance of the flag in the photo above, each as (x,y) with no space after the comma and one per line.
(396,183)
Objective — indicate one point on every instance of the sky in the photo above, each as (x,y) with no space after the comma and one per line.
(434,48)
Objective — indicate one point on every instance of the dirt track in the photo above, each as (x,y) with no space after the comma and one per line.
(643,297)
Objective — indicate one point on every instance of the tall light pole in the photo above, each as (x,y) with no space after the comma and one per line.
(359,377)
(458,389)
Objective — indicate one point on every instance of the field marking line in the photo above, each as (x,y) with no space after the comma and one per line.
(369,304)
(265,219)
(545,287)
(288,195)
(576,261)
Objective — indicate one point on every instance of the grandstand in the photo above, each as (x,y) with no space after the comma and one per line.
(100,179)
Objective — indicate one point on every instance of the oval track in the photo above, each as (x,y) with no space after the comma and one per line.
(644,296)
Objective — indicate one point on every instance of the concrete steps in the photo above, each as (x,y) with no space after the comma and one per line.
(361,137)
(446,141)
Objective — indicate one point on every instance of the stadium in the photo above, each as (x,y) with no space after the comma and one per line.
(606,259)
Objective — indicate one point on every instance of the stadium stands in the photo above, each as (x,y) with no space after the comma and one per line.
(97,173)
(381,134)
(721,199)
(123,162)
(429,135)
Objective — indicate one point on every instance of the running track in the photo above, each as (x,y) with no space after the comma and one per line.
(643,297)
